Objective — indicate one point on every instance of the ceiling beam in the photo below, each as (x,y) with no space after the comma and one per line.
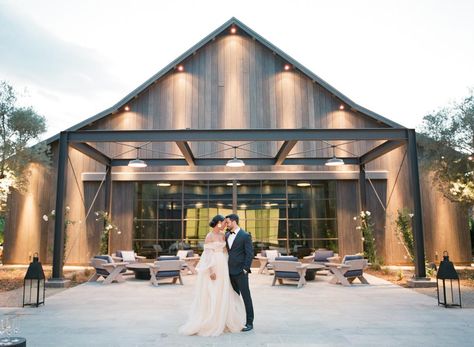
(380,150)
(91,152)
(285,149)
(212,135)
(223,161)
(186,151)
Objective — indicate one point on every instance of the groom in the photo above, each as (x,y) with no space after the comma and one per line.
(239,245)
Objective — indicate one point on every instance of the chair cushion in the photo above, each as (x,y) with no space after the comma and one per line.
(108,258)
(351,257)
(323,255)
(118,254)
(128,255)
(182,254)
(190,253)
(353,273)
(167,274)
(263,253)
(287,274)
(167,257)
(286,258)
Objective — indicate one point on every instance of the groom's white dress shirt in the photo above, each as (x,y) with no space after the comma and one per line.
(231,238)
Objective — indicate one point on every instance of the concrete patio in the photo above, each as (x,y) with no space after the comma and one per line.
(320,314)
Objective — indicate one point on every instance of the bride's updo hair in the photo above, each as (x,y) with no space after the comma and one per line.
(216,220)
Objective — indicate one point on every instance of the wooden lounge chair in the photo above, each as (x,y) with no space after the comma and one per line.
(128,257)
(190,260)
(289,270)
(351,267)
(265,258)
(105,267)
(165,268)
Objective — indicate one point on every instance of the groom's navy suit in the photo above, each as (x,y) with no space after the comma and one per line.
(240,259)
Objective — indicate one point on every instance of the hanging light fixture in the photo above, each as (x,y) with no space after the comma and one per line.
(235,162)
(334,161)
(137,162)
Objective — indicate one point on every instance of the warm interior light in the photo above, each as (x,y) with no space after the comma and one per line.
(198,204)
(303,184)
(127,108)
(341,107)
(180,68)
(164,184)
(233,30)
(230,184)
(287,67)
(235,162)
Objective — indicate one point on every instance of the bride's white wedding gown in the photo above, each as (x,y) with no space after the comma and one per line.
(216,307)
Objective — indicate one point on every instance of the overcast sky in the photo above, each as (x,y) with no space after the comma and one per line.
(401,59)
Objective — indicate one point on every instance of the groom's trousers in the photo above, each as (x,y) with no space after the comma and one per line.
(240,283)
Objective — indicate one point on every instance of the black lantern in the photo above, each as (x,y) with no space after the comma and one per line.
(33,285)
(448,294)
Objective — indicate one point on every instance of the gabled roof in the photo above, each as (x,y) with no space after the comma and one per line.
(231,22)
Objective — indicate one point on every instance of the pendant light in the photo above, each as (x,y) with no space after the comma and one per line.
(334,161)
(137,162)
(235,162)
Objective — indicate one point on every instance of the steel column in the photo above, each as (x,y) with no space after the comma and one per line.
(420,271)
(362,188)
(58,248)
(108,189)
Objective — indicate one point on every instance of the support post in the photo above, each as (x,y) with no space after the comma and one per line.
(58,248)
(108,189)
(362,188)
(234,196)
(108,196)
(420,271)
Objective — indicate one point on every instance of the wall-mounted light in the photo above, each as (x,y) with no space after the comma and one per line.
(127,108)
(341,107)
(233,30)
(287,67)
(180,68)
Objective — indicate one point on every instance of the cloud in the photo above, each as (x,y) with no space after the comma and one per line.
(31,53)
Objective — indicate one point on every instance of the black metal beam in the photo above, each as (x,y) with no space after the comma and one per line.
(91,152)
(420,271)
(285,149)
(211,135)
(380,150)
(186,151)
(58,245)
(223,161)
(362,188)
(108,190)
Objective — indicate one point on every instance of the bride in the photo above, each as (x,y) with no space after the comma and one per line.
(216,307)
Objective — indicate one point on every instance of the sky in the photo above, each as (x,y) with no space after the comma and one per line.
(73,59)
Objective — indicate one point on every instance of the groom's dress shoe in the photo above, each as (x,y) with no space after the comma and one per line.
(247,327)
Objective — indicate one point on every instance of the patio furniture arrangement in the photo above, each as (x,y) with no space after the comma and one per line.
(289,269)
(128,257)
(105,267)
(190,260)
(351,267)
(265,258)
(165,268)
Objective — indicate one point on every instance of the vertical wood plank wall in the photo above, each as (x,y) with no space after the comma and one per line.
(233,82)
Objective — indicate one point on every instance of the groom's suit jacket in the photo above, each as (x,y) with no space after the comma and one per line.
(241,252)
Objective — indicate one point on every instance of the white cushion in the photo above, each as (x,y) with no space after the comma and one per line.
(128,256)
(182,254)
(271,254)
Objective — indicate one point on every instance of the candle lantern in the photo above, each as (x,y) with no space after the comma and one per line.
(33,285)
(448,284)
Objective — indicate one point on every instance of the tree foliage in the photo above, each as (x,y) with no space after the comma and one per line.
(447,149)
(19,128)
